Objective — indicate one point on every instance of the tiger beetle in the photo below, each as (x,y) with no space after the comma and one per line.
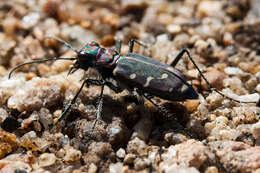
(143,75)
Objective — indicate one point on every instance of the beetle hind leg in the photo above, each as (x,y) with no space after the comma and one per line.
(180,55)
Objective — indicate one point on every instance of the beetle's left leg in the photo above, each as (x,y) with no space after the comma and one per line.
(131,44)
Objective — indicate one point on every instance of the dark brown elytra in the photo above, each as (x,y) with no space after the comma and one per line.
(143,75)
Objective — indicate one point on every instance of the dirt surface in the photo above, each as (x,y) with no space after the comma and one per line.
(211,134)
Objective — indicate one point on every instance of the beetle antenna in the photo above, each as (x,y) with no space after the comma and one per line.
(38,61)
(62,41)
(205,79)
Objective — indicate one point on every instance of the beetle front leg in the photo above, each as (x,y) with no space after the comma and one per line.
(98,114)
(131,44)
(87,82)
(68,107)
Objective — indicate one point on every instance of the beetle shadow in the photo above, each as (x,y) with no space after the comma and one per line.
(177,123)
(115,114)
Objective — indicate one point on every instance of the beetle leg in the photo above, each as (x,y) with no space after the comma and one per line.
(148,96)
(94,82)
(179,56)
(118,46)
(103,82)
(98,114)
(131,44)
(87,82)
(69,105)
(113,87)
(158,107)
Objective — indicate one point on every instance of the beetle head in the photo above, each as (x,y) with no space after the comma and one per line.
(87,56)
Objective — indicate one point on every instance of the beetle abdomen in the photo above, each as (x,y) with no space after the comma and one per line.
(153,77)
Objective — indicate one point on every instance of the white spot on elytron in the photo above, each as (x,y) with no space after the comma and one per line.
(170,69)
(148,80)
(132,76)
(164,76)
(171,89)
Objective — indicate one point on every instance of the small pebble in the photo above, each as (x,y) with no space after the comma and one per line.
(233,71)
(120,153)
(116,168)
(174,29)
(140,164)
(129,158)
(47,159)
(72,155)
(211,169)
(228,39)
(3,115)
(173,138)
(137,146)
(191,105)
(215,78)
(209,8)
(92,168)
(30,20)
